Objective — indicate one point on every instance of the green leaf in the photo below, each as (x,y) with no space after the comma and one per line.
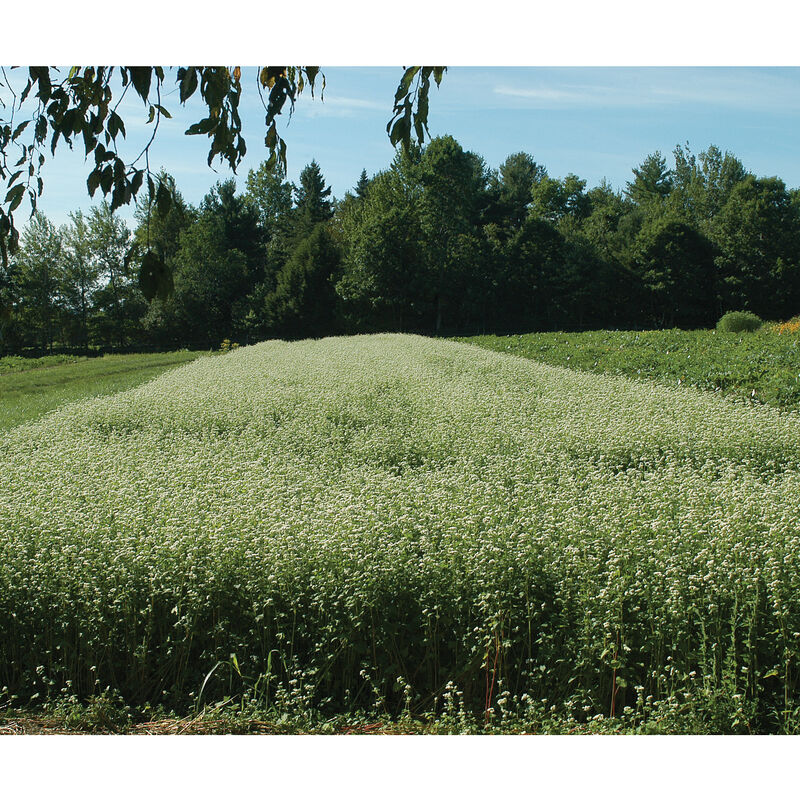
(188,84)
(115,125)
(405,82)
(107,179)
(155,278)
(93,181)
(18,130)
(40,130)
(311,74)
(136,181)
(89,141)
(401,130)
(41,75)
(204,126)
(14,196)
(163,199)
(140,78)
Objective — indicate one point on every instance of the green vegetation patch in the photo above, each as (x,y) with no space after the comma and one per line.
(22,364)
(394,525)
(30,388)
(763,366)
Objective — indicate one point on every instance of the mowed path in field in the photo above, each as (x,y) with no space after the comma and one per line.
(27,394)
(392,506)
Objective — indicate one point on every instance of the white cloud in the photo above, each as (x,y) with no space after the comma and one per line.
(337,107)
(749,89)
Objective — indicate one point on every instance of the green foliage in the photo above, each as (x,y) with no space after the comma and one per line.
(758,234)
(312,203)
(20,364)
(759,367)
(32,387)
(435,243)
(397,526)
(652,180)
(675,265)
(39,277)
(739,321)
(85,103)
(363,185)
(304,300)
(514,183)
(411,105)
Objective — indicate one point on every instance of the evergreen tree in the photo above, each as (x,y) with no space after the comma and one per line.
(363,185)
(652,180)
(312,205)
(269,191)
(219,262)
(303,303)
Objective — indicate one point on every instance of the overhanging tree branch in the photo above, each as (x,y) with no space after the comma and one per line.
(82,104)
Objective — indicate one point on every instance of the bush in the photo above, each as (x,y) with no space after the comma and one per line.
(738,321)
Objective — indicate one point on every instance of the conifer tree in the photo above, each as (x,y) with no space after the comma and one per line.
(311,198)
(363,185)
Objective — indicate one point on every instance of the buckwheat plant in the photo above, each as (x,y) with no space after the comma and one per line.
(406,518)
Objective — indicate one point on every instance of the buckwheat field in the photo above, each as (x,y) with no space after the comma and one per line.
(393,524)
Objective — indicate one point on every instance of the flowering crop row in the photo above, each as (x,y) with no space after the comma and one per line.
(391,519)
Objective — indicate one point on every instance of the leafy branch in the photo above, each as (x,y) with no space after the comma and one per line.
(81,106)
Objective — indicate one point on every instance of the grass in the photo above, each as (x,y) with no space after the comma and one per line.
(23,364)
(29,388)
(761,367)
(396,528)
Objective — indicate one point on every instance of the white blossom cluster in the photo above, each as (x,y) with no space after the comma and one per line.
(398,507)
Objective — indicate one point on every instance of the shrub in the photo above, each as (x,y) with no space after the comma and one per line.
(739,321)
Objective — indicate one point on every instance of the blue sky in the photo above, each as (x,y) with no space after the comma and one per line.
(598,122)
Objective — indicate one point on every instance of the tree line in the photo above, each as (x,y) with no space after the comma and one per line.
(436,243)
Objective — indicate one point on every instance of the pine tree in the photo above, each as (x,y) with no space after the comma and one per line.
(652,180)
(363,185)
(311,198)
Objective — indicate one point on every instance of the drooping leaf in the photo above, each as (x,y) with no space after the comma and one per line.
(405,82)
(155,278)
(136,181)
(140,78)
(14,196)
(93,181)
(19,129)
(163,198)
(204,126)
(188,84)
